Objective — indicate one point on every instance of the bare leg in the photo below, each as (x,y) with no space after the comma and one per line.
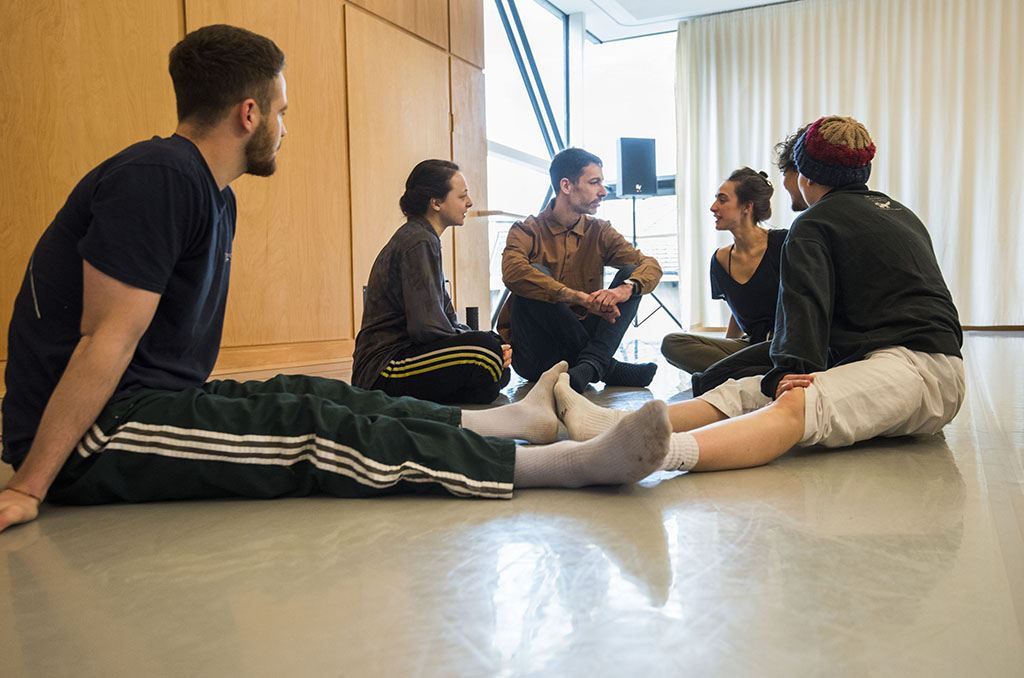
(693,414)
(748,440)
(752,439)
(585,420)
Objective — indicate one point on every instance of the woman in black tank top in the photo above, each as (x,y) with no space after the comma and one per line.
(746,275)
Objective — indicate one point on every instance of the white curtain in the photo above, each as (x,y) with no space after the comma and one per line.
(938,83)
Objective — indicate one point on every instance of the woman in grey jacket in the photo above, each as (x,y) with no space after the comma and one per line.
(411,342)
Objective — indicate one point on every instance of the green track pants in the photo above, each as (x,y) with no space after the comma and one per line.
(289,436)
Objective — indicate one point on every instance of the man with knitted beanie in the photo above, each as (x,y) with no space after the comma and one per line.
(867,339)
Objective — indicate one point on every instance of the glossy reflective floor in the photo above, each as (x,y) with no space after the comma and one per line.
(893,558)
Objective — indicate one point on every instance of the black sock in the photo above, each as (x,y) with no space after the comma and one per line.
(581,375)
(630,374)
(695,383)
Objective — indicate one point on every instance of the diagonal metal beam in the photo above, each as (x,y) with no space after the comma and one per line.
(525,76)
(536,74)
(545,133)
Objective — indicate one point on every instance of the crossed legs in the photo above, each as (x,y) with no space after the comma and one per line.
(632,448)
(545,333)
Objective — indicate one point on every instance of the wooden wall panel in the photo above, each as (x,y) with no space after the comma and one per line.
(469,150)
(299,264)
(291,277)
(398,115)
(71,99)
(426,18)
(467,30)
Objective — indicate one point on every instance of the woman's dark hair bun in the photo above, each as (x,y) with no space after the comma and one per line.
(429,179)
(754,187)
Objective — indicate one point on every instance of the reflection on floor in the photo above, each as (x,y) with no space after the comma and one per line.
(897,557)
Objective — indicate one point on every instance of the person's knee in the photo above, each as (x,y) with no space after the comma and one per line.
(485,394)
(790,406)
(490,341)
(623,275)
(672,342)
(686,352)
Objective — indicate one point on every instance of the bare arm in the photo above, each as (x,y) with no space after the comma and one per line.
(114,318)
(733,331)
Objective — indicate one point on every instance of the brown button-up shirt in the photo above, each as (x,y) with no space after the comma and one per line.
(575,256)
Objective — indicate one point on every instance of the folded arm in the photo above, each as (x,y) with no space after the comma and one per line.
(523,280)
(620,252)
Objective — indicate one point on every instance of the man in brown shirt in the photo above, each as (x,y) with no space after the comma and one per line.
(553,264)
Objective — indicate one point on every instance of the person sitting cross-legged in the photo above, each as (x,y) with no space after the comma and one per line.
(411,342)
(553,264)
(746,275)
(755,358)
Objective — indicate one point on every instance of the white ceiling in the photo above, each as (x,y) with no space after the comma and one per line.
(619,19)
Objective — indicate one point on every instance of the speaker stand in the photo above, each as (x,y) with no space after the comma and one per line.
(638,323)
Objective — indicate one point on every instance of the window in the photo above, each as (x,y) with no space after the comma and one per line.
(517,153)
(629,91)
(511,120)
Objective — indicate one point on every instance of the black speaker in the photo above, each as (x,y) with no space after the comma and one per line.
(636,167)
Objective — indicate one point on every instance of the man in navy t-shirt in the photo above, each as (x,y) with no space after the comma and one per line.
(118,321)
(126,289)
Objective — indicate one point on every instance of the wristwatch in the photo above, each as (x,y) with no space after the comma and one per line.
(636,286)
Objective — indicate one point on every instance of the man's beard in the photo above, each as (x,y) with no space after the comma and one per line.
(261,153)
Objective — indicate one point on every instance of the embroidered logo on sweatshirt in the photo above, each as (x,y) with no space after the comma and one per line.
(883,203)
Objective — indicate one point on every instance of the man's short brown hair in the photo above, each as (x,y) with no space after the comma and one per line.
(215,67)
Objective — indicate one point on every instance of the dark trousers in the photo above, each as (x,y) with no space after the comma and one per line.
(467,368)
(287,437)
(543,333)
(752,361)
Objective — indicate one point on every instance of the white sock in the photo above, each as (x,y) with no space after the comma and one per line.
(584,419)
(682,453)
(532,419)
(629,452)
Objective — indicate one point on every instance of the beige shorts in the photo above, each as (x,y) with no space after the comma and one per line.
(891,392)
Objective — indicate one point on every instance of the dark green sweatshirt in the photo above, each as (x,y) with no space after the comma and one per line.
(858,274)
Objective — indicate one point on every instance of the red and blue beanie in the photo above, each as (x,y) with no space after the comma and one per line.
(835,151)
